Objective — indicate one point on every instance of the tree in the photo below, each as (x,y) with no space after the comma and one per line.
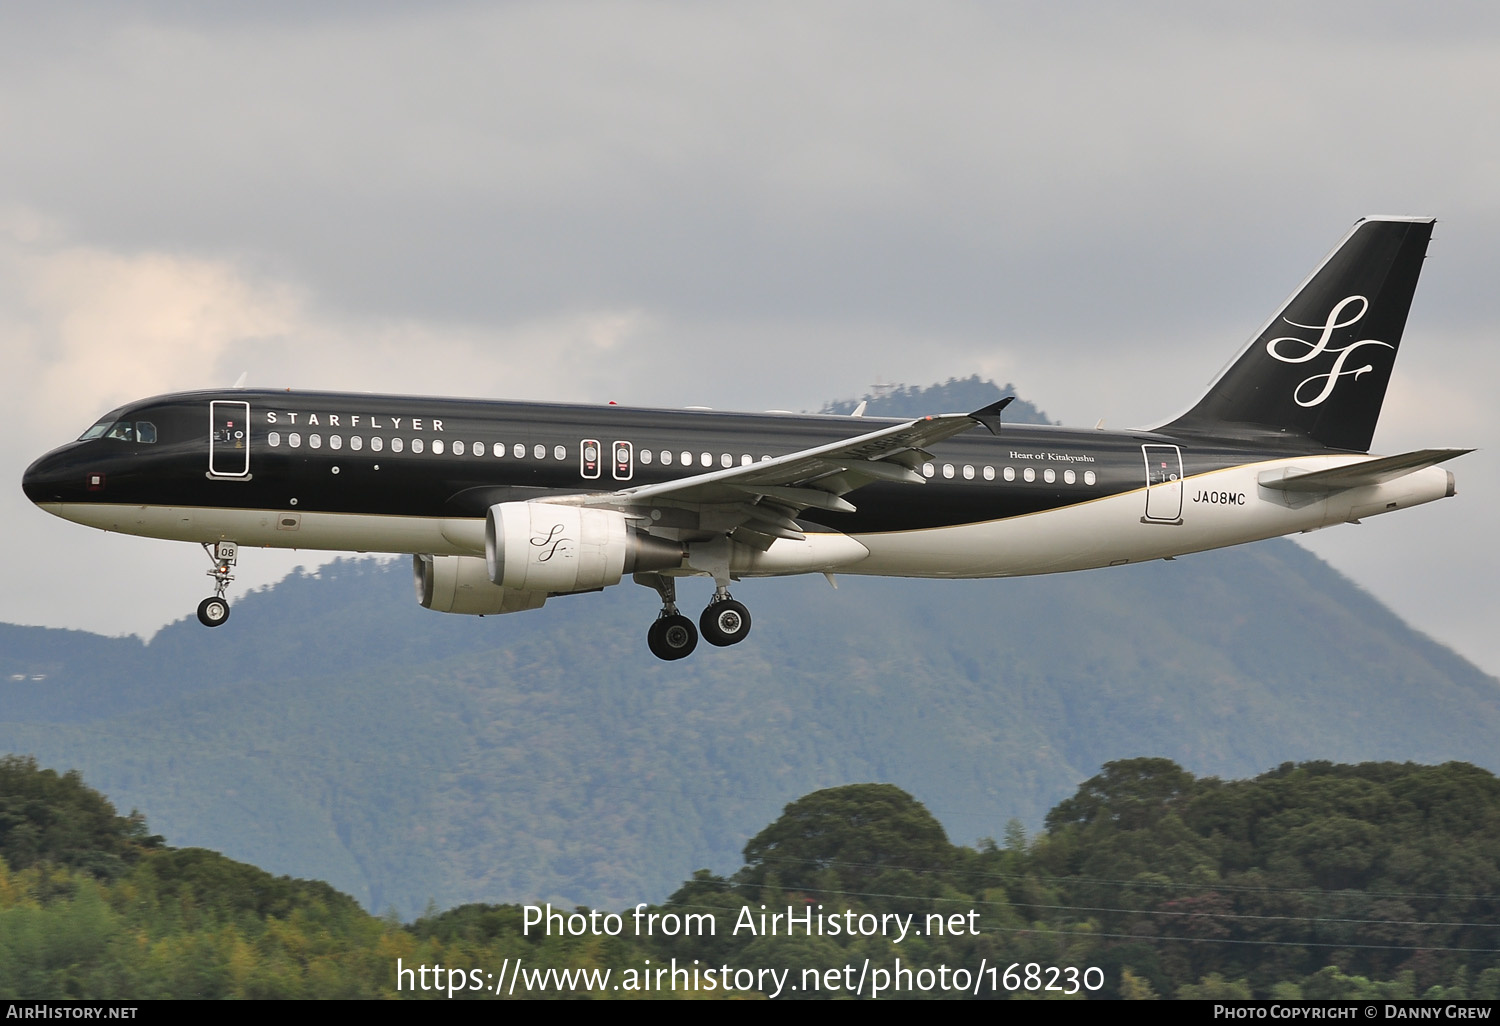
(858,832)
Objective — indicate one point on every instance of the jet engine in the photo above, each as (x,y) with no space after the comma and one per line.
(461,584)
(554,549)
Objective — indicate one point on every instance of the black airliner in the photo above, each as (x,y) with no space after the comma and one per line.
(504,505)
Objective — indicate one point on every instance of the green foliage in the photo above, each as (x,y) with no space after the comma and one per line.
(847,839)
(1165,884)
(55,819)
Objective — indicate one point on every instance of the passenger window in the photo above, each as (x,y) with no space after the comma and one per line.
(335,442)
(377,442)
(947,470)
(1010,473)
(968,472)
(1069,477)
(437,447)
(1029,474)
(666,457)
(294,440)
(397,444)
(519,450)
(687,459)
(499,449)
(416,445)
(539,451)
(706,459)
(273,439)
(928,470)
(989,473)
(356,443)
(745,459)
(315,441)
(646,456)
(1088,477)
(726,460)
(559,452)
(1049,475)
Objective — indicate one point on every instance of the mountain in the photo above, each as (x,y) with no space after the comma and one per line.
(334,729)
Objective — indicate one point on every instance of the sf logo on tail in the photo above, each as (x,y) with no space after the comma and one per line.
(1314,349)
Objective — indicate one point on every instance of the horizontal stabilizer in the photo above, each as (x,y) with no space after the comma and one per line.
(1357,475)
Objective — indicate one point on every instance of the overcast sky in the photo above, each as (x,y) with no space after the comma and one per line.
(736,205)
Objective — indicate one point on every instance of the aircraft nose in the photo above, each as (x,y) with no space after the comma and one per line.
(44,480)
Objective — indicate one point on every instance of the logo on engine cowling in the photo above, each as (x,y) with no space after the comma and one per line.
(549,543)
(1315,349)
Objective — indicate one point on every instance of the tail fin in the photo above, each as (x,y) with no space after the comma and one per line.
(1318,371)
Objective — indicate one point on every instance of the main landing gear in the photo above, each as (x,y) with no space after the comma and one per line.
(725,622)
(214,610)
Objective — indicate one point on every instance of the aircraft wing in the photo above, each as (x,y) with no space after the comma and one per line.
(764,497)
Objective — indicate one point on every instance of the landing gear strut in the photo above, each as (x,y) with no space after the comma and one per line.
(215,610)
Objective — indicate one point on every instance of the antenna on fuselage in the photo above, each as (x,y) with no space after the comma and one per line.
(239,382)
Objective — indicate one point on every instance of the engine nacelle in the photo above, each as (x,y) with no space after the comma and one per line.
(540,546)
(461,584)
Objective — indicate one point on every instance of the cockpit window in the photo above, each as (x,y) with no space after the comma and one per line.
(122,430)
(97,431)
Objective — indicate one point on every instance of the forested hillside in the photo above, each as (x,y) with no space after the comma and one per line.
(1375,881)
(334,729)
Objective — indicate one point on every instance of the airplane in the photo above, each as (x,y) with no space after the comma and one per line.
(505,505)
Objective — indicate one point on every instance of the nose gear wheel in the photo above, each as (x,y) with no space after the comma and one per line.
(214,611)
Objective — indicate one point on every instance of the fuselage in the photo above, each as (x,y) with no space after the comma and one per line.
(417,475)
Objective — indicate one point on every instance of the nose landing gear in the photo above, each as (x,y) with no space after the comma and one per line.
(214,610)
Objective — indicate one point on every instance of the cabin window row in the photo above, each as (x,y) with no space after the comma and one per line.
(664,457)
(377,443)
(1028,474)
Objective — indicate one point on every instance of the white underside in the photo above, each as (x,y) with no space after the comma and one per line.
(1103,532)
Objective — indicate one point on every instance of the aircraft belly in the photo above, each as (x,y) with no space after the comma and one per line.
(287,529)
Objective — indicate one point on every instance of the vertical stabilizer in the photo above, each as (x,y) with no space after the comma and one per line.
(1318,371)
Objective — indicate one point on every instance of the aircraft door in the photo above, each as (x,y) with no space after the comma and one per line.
(229,438)
(589,458)
(1163,484)
(624,461)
